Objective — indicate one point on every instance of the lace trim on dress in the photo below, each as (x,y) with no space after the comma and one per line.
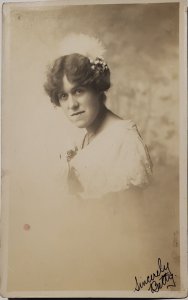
(74,184)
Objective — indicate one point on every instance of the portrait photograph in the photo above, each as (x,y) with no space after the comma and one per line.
(94,149)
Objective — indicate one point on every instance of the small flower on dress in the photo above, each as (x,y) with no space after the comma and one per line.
(71,153)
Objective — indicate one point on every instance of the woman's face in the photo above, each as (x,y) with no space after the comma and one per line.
(80,104)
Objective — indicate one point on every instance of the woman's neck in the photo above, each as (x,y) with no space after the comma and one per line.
(97,124)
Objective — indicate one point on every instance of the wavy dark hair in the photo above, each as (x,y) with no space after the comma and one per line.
(78,70)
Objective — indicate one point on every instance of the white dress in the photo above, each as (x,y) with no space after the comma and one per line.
(116,160)
(104,232)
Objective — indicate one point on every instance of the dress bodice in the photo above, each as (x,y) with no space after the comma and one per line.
(116,160)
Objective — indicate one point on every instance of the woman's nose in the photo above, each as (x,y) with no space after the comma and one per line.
(72,102)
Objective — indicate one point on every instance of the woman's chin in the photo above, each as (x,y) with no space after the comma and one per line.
(80,124)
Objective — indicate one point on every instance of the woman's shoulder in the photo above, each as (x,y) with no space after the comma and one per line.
(123,129)
(132,151)
(117,122)
(127,126)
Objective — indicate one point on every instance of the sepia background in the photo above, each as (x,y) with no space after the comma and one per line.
(142,53)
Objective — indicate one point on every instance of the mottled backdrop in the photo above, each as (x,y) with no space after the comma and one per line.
(143,55)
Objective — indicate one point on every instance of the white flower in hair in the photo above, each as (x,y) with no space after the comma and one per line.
(82,44)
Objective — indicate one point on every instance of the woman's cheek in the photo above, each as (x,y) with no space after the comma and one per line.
(64,107)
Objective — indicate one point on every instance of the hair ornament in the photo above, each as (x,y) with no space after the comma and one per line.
(87,46)
(99,64)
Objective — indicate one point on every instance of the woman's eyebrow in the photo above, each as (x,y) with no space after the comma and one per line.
(76,87)
(72,90)
(62,92)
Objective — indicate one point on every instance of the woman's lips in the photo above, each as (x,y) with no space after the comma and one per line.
(77,113)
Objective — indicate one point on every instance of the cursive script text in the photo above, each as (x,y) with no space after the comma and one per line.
(156,281)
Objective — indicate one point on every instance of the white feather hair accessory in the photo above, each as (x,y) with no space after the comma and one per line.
(82,44)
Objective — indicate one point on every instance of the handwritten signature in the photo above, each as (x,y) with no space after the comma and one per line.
(155,281)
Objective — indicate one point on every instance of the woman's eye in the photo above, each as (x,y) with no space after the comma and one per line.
(63,97)
(78,91)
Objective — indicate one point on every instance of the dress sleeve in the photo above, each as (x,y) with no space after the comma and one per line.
(134,166)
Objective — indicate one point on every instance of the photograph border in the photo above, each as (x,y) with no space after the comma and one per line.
(182,167)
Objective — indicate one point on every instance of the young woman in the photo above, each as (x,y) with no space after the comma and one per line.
(111,156)
(107,168)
